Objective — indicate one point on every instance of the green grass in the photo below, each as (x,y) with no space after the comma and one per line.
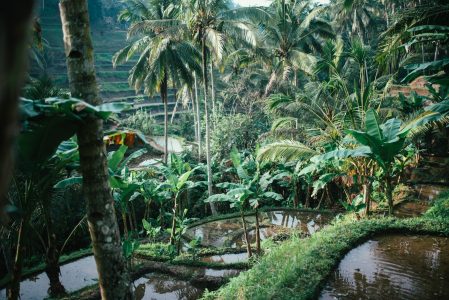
(160,252)
(298,268)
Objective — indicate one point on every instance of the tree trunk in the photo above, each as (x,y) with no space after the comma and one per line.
(173,226)
(164,87)
(52,254)
(103,227)
(195,121)
(297,193)
(125,225)
(14,289)
(257,232)
(175,109)
(52,270)
(198,117)
(389,191)
(206,112)
(212,86)
(308,195)
(14,29)
(248,243)
(367,197)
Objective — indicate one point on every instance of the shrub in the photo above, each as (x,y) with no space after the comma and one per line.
(239,131)
(140,120)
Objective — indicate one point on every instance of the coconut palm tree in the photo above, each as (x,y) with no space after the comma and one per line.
(357,16)
(164,54)
(214,27)
(293,33)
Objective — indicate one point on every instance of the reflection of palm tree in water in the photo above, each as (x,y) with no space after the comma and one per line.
(358,287)
(164,285)
(397,267)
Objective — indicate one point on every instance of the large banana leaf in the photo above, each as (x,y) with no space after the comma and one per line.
(116,157)
(391,128)
(372,127)
(46,123)
(363,151)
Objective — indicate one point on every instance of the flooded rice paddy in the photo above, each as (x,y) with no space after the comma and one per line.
(229,232)
(393,267)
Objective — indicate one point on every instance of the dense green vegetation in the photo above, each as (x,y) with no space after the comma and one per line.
(197,110)
(298,268)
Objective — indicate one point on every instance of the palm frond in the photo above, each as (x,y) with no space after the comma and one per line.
(285,151)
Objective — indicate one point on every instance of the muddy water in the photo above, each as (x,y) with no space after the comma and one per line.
(393,267)
(229,232)
(160,286)
(428,191)
(421,197)
(74,276)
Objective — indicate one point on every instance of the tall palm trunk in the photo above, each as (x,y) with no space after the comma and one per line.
(14,289)
(14,29)
(206,112)
(164,97)
(103,227)
(198,117)
(212,86)
(195,121)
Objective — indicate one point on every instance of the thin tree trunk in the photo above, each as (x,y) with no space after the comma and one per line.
(195,121)
(198,117)
(212,85)
(133,213)
(206,112)
(173,226)
(389,191)
(308,194)
(257,232)
(175,109)
(125,225)
(113,278)
(248,243)
(367,197)
(14,289)
(15,24)
(164,87)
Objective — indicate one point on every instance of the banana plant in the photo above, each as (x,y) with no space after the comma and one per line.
(177,181)
(382,143)
(151,230)
(152,190)
(122,181)
(252,189)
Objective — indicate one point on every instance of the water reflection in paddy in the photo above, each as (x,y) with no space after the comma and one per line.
(160,286)
(74,276)
(81,273)
(393,267)
(229,232)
